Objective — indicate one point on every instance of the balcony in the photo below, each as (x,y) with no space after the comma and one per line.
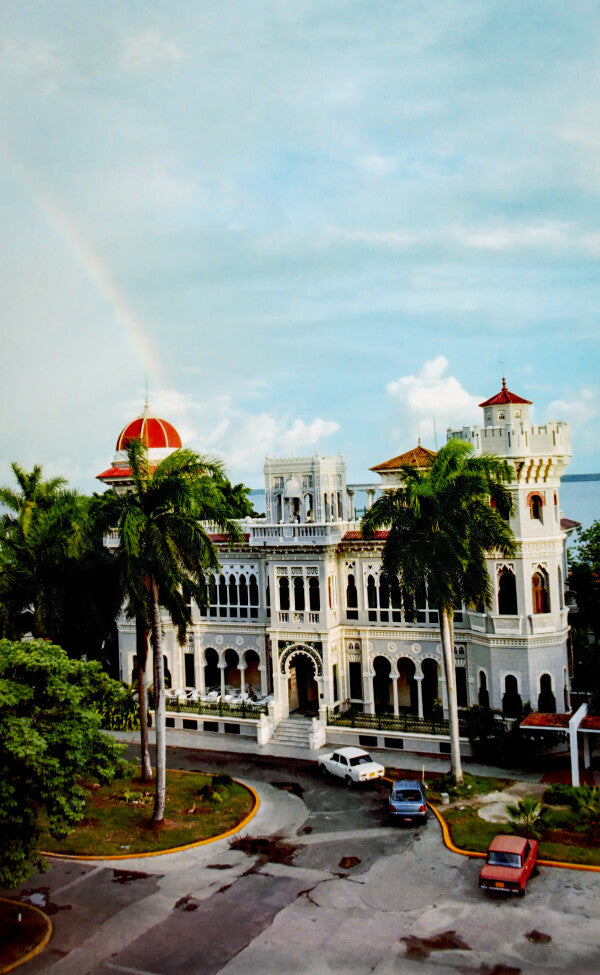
(111,539)
(328,533)
(293,618)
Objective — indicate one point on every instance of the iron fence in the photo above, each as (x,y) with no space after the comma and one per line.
(407,723)
(222,709)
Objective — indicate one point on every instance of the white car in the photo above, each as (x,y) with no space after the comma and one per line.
(351,764)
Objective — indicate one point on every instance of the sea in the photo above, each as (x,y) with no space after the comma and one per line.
(579,501)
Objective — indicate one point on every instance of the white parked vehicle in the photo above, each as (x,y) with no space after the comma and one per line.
(351,764)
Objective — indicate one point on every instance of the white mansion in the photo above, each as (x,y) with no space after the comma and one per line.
(299,613)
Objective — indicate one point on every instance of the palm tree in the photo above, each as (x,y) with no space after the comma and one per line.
(165,554)
(441,525)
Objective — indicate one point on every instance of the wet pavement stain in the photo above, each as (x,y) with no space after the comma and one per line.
(498,970)
(292,787)
(219,866)
(347,862)
(422,947)
(128,876)
(40,897)
(538,937)
(305,830)
(273,850)
(187,903)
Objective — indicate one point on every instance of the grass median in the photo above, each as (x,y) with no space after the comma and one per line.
(117,817)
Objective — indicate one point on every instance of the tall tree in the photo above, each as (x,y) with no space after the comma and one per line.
(56,579)
(165,554)
(442,522)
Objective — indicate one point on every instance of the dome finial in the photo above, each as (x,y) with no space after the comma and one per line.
(503,383)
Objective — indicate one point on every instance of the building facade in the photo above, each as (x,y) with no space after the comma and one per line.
(300,612)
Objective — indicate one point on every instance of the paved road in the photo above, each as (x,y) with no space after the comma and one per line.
(282,898)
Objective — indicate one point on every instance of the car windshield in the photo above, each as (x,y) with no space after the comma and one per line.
(497,858)
(361,760)
(407,795)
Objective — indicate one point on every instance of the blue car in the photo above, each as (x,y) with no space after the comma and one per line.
(408,803)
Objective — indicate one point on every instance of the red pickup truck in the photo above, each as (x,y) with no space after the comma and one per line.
(509,863)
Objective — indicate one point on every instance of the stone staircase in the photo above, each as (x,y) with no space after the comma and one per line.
(293,732)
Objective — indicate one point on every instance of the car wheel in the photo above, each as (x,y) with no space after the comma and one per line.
(522,892)
(323,771)
(348,781)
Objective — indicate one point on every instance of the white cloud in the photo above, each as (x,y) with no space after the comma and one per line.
(242,439)
(379,165)
(430,401)
(581,411)
(148,50)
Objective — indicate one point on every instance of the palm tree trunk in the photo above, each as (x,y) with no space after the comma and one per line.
(159,711)
(446,630)
(141,642)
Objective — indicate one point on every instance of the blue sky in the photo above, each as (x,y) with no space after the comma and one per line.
(312,225)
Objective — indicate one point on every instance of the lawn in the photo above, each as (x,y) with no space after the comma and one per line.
(117,816)
(21,929)
(561,839)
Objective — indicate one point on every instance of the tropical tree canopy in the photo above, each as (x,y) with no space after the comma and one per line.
(165,555)
(50,738)
(443,521)
(56,579)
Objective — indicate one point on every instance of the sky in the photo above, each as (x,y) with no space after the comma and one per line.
(331,225)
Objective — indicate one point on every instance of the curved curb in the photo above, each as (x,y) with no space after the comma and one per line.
(472,853)
(40,945)
(173,849)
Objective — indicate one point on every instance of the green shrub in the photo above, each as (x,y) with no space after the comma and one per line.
(526,815)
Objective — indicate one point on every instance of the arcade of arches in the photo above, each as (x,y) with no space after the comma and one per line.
(405,692)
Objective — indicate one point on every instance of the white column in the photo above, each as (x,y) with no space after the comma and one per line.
(200,676)
(368,695)
(574,723)
(222,669)
(395,694)
(242,669)
(419,678)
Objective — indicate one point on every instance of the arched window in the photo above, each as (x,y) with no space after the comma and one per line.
(254,597)
(222,596)
(351,599)
(284,593)
(483,694)
(561,591)
(536,504)
(539,592)
(212,596)
(372,598)
(396,597)
(314,595)
(546,699)
(507,593)
(384,599)
(233,597)
(299,594)
(243,596)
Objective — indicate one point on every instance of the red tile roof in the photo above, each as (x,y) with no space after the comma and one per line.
(560,722)
(504,396)
(225,538)
(151,430)
(417,457)
(114,472)
(567,524)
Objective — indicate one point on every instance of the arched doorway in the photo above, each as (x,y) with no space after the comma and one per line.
(407,686)
(483,694)
(429,685)
(382,688)
(232,671)
(212,674)
(512,706)
(303,690)
(253,682)
(546,699)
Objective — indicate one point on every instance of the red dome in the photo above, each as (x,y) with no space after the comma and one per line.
(152,431)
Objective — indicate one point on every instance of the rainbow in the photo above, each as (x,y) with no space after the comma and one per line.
(96,271)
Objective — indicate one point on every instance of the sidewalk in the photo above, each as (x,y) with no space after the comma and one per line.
(205,741)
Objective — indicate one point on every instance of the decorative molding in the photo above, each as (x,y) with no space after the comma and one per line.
(290,650)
